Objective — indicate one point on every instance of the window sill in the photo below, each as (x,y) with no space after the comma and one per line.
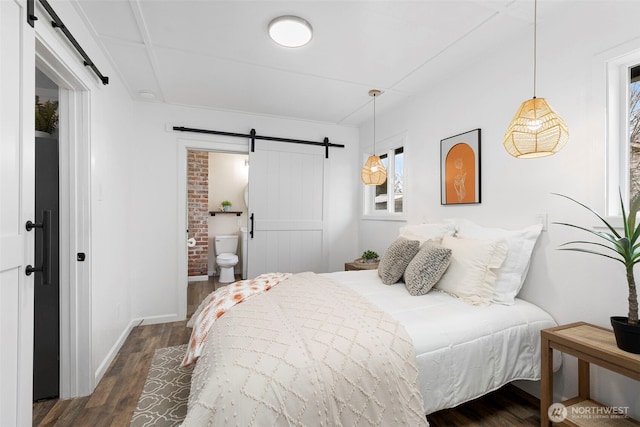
(615,221)
(383,217)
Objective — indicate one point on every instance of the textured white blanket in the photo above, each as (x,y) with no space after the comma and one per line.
(307,353)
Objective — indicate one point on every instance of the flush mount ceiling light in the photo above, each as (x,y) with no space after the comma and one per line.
(536,130)
(145,94)
(290,31)
(374,172)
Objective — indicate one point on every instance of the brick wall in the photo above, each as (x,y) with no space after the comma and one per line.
(198,205)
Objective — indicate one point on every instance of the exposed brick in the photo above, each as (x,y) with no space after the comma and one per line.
(198,210)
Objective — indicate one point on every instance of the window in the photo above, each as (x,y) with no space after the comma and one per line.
(634,131)
(388,199)
(623,124)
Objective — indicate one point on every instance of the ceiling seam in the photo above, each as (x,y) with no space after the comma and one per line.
(446,48)
(269,67)
(142,27)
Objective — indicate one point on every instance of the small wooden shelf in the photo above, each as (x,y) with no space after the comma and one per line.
(214,213)
(589,344)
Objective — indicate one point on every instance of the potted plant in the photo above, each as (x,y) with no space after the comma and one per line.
(46,116)
(369,257)
(625,248)
(226,205)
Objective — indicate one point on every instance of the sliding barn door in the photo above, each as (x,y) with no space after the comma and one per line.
(17,94)
(286,186)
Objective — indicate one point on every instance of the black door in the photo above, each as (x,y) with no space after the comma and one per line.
(46,349)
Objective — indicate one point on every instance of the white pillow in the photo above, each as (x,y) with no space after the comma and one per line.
(514,271)
(424,232)
(471,274)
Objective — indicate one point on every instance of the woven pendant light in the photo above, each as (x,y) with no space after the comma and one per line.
(536,130)
(373,172)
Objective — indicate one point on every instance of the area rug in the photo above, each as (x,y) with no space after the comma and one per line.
(163,401)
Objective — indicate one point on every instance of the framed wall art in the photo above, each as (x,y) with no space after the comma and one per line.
(460,168)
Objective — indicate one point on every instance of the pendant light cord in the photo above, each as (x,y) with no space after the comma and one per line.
(374,124)
(535,36)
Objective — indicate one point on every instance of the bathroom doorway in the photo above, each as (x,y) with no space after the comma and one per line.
(217,197)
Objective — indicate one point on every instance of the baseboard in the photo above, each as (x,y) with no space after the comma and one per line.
(198,278)
(111,355)
(165,318)
(102,369)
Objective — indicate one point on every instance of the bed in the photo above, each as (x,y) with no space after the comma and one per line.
(353,348)
(462,351)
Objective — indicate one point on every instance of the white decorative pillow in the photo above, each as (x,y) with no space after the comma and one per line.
(471,275)
(396,258)
(514,271)
(426,268)
(424,232)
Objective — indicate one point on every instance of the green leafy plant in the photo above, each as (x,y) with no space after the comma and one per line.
(369,255)
(226,203)
(624,248)
(46,115)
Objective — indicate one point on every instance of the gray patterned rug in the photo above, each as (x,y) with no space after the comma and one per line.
(163,401)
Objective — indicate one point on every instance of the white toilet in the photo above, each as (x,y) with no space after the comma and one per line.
(226,258)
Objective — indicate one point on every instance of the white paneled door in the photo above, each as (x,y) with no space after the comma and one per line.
(17,88)
(286,188)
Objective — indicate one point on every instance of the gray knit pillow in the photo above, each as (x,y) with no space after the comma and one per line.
(395,260)
(426,268)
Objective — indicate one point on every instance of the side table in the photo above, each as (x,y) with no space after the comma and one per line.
(359,265)
(589,344)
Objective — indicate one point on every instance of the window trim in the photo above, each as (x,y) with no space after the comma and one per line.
(387,146)
(617,66)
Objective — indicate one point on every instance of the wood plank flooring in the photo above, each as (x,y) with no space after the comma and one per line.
(116,396)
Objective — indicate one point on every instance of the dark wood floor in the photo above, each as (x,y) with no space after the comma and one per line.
(116,396)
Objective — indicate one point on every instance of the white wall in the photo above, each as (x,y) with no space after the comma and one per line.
(485,95)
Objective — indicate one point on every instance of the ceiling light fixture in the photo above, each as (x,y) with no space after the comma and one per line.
(290,31)
(373,172)
(145,94)
(536,130)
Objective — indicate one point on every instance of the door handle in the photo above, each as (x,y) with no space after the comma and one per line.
(251,232)
(45,268)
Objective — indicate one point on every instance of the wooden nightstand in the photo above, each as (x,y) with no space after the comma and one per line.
(359,265)
(589,344)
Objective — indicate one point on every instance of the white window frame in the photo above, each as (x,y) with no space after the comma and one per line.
(387,146)
(617,67)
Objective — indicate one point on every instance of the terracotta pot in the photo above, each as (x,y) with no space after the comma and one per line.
(627,336)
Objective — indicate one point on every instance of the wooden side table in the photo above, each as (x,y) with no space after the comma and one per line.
(590,344)
(359,265)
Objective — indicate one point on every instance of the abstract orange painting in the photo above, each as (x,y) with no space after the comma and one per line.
(460,168)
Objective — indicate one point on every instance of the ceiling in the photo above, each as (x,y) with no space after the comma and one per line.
(217,54)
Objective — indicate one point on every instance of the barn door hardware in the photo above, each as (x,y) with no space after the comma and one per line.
(253,137)
(57,23)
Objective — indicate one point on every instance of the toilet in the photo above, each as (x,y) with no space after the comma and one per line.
(226,258)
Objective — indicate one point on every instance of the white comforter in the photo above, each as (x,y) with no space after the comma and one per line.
(309,352)
(462,351)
